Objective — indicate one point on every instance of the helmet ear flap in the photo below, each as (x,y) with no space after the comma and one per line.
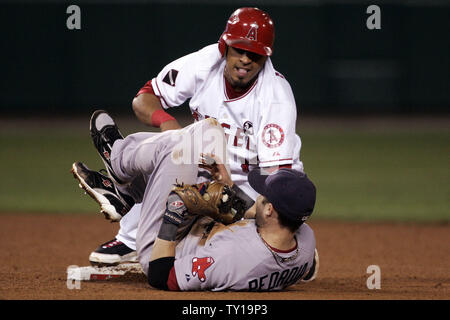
(223,47)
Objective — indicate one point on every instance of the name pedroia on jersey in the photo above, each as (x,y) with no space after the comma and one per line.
(277,280)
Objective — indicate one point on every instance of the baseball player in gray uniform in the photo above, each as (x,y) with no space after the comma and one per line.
(275,249)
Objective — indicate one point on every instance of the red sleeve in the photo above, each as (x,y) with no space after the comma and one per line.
(172,283)
(147,88)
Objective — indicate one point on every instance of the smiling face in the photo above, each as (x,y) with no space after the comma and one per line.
(242,67)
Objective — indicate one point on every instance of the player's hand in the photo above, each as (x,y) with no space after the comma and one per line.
(216,168)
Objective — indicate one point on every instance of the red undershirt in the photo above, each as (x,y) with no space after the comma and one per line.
(233,94)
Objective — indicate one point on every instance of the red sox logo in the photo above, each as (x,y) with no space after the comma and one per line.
(199,266)
(176,204)
(106,183)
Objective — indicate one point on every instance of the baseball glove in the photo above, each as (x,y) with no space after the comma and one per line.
(214,199)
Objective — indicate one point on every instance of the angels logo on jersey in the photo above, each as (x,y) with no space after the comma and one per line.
(199,266)
(272,135)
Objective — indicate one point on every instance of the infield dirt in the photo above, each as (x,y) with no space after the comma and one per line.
(414,260)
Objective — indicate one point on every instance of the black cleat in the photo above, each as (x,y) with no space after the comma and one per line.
(112,253)
(113,204)
(104,133)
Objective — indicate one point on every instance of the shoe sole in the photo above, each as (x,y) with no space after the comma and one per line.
(105,207)
(107,260)
(91,124)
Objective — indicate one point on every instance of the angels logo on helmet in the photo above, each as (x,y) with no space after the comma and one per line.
(253,32)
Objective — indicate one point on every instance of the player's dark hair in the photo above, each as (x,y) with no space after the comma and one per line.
(289,223)
(284,220)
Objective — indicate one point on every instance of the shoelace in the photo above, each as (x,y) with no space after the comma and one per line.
(112,244)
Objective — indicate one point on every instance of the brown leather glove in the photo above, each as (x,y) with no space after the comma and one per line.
(213,199)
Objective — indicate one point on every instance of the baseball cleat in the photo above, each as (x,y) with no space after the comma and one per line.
(113,204)
(112,253)
(312,274)
(104,133)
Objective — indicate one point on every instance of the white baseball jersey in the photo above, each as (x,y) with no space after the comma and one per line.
(259,125)
(234,257)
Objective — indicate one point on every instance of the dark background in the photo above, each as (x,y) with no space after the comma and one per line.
(334,64)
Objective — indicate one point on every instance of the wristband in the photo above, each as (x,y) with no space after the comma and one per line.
(168,231)
(173,217)
(159,117)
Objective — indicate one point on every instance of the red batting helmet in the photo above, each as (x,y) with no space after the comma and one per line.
(249,29)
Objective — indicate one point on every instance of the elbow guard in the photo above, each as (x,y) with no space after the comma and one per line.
(158,272)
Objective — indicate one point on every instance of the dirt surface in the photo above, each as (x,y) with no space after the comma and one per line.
(414,260)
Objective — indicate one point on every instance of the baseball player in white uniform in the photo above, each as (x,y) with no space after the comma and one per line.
(234,82)
(270,252)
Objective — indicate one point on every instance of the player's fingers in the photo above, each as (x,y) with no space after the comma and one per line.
(208,158)
(216,158)
(203,162)
(207,167)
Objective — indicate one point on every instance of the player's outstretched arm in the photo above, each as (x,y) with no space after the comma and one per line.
(163,252)
(149,111)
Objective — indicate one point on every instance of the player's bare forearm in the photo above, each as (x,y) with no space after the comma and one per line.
(161,262)
(170,125)
(145,105)
(162,249)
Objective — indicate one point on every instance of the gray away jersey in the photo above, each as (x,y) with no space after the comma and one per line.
(235,258)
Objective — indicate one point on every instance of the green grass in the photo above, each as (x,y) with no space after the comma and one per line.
(37,174)
(361,174)
(401,176)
